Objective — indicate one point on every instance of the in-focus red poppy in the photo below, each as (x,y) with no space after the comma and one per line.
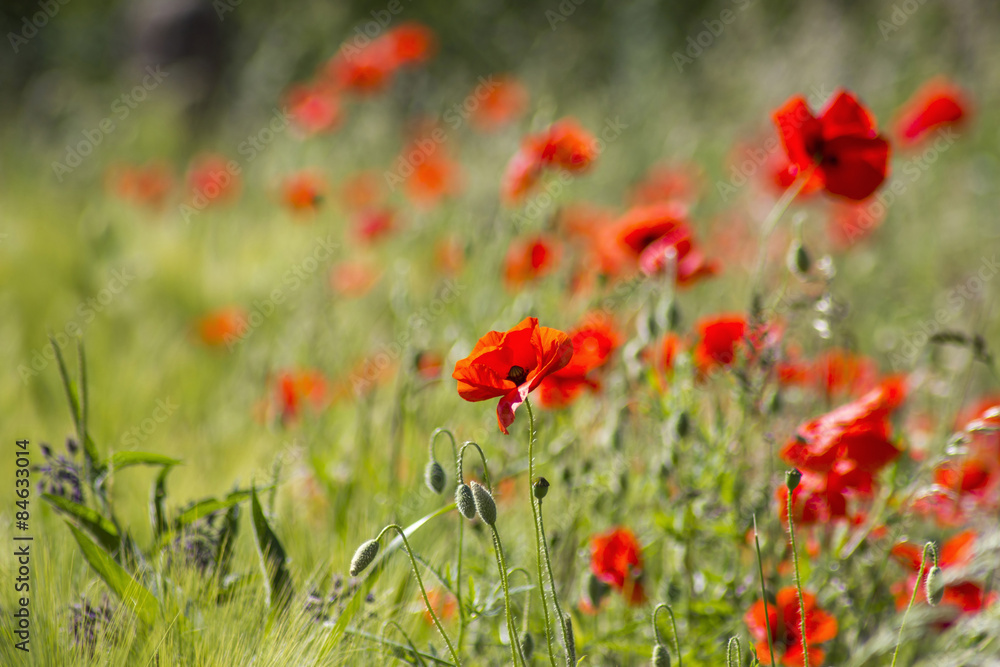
(145,185)
(303,192)
(295,388)
(857,431)
(842,146)
(504,100)
(564,145)
(510,364)
(850,222)
(615,558)
(374,224)
(313,108)
(529,259)
(938,103)
(667,183)
(784,623)
(213,179)
(594,340)
(222,327)
(657,231)
(353,278)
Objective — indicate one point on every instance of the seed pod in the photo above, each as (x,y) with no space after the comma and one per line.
(934,587)
(527,646)
(540,488)
(363,557)
(434,477)
(661,657)
(792,479)
(486,508)
(466,504)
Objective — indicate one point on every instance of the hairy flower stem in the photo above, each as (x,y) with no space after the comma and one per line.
(673,626)
(461,532)
(567,640)
(539,538)
(763,593)
(913,596)
(798,585)
(515,644)
(420,583)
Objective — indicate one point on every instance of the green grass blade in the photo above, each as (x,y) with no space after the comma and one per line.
(98,526)
(273,560)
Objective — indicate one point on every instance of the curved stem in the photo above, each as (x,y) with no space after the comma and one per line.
(798,585)
(461,458)
(673,625)
(438,431)
(538,536)
(913,596)
(423,591)
(515,645)
(567,641)
(461,528)
(763,593)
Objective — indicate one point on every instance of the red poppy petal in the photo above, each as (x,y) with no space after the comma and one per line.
(854,167)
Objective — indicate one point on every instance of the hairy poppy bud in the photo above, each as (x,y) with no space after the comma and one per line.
(486,508)
(434,477)
(466,504)
(934,587)
(541,487)
(792,479)
(363,557)
(527,646)
(661,657)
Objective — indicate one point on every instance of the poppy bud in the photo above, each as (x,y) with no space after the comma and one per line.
(798,259)
(527,646)
(434,477)
(661,657)
(486,508)
(792,479)
(683,425)
(934,587)
(363,557)
(674,316)
(465,502)
(541,487)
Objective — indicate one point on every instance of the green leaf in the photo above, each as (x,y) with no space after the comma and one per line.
(227,539)
(205,507)
(273,561)
(100,527)
(131,592)
(120,460)
(157,517)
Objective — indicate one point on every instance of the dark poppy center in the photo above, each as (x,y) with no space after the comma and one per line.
(517,375)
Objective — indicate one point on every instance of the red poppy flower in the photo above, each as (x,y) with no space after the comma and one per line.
(501,104)
(667,183)
(294,388)
(363,71)
(783,623)
(363,190)
(222,327)
(654,231)
(412,42)
(938,103)
(838,371)
(521,176)
(145,185)
(511,364)
(530,259)
(821,498)
(442,602)
(616,560)
(593,343)
(374,224)
(849,156)
(564,145)
(429,365)
(722,336)
(353,279)
(857,431)
(303,192)
(313,109)
(214,179)
(433,179)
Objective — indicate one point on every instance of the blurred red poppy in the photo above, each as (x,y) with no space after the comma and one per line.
(303,192)
(616,560)
(213,179)
(510,364)
(353,279)
(594,340)
(374,224)
(667,183)
(654,232)
(564,145)
(363,190)
(442,602)
(784,623)
(529,259)
(295,388)
(313,108)
(145,185)
(429,365)
(938,103)
(849,156)
(368,68)
(436,177)
(503,103)
(721,337)
(222,327)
